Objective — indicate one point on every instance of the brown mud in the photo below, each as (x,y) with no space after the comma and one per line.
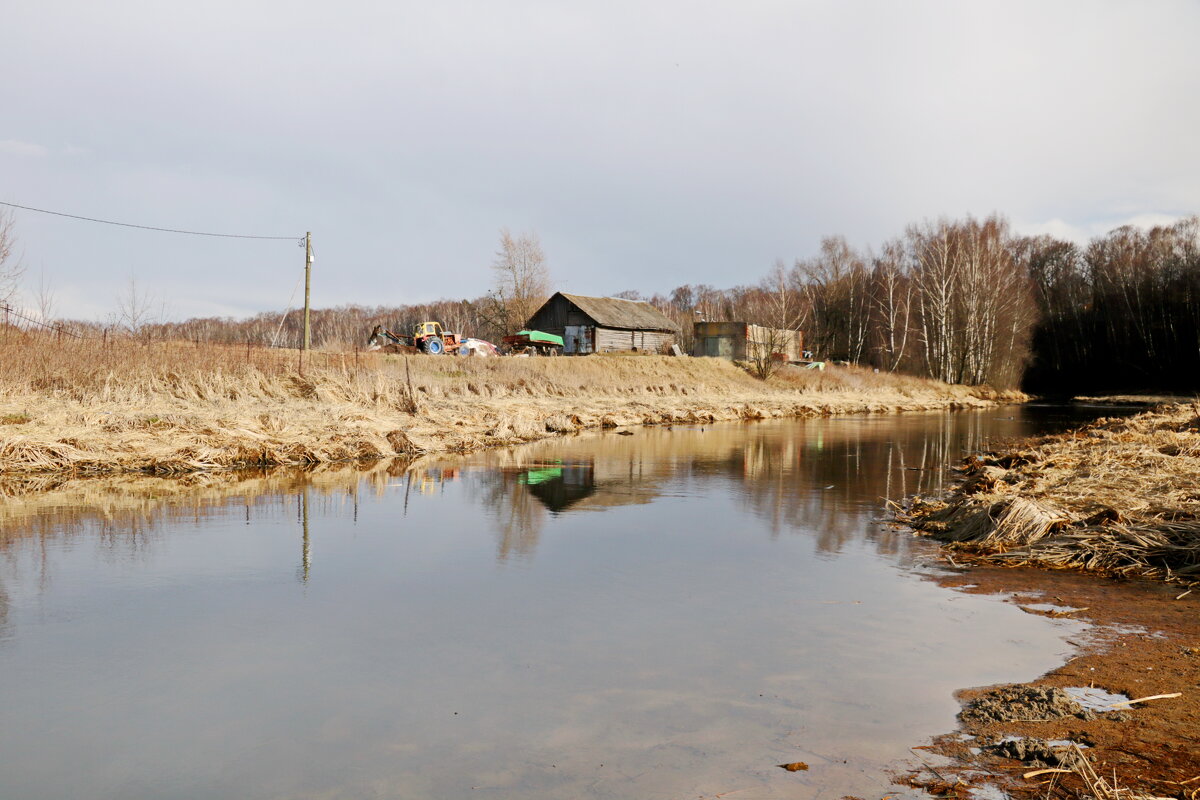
(1105,508)
(1143,640)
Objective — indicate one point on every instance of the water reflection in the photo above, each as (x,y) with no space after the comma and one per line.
(661,615)
(830,475)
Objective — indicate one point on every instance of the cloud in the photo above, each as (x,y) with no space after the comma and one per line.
(1084,232)
(20,149)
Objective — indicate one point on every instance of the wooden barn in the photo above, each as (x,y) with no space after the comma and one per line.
(604,324)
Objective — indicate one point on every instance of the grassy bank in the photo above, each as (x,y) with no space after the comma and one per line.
(1118,497)
(96,407)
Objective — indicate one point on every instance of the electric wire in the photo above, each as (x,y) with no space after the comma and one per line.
(150,227)
(9,311)
(283,319)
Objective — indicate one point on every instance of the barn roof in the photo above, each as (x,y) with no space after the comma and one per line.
(611,312)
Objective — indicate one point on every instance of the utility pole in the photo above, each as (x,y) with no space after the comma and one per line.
(308,262)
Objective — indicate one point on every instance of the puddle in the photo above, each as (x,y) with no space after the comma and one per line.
(1098,700)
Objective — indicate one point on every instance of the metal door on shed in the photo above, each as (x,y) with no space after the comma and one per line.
(718,346)
(577,339)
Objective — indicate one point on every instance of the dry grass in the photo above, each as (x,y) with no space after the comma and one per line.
(95,407)
(1117,497)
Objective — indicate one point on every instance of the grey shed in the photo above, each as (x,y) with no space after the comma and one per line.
(604,324)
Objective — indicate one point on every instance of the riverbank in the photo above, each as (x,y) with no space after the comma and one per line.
(1115,502)
(1117,497)
(1135,640)
(94,408)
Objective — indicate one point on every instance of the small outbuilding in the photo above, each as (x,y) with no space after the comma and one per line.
(604,324)
(741,341)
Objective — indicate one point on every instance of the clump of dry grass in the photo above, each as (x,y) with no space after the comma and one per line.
(1117,497)
(96,406)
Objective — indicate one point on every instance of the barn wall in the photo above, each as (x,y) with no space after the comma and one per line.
(553,317)
(611,340)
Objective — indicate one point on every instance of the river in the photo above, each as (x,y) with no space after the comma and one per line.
(665,615)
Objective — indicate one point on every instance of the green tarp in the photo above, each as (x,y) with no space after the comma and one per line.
(535,476)
(538,336)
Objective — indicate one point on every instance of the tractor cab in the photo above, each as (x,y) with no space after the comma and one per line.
(429,338)
(426,329)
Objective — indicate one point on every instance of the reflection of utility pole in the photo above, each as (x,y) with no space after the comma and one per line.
(306,553)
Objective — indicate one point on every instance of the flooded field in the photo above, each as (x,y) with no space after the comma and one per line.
(664,615)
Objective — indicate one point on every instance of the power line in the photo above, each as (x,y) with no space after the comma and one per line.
(150,227)
(10,311)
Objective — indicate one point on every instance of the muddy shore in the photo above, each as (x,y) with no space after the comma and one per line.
(1112,511)
(1143,640)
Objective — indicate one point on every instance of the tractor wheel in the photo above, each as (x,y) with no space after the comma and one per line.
(434,346)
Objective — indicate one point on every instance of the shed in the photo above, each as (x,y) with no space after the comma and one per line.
(741,341)
(604,324)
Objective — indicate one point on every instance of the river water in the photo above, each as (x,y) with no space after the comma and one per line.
(664,615)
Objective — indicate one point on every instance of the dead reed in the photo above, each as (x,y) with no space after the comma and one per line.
(95,406)
(1119,497)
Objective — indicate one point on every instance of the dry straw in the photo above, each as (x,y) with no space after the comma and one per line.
(103,406)
(1120,496)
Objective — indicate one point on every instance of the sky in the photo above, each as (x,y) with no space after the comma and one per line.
(648,144)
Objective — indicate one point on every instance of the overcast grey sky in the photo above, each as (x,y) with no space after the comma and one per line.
(648,143)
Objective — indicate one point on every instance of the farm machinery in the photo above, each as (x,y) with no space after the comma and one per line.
(426,337)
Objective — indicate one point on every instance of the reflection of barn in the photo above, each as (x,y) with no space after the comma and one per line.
(590,484)
(604,324)
(559,487)
(741,341)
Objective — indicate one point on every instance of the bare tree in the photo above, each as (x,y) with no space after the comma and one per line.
(45,298)
(781,315)
(136,309)
(11,267)
(892,305)
(522,281)
(974,298)
(837,285)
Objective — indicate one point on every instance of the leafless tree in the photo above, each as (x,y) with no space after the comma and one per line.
(781,314)
(44,298)
(138,309)
(837,287)
(974,299)
(892,305)
(11,268)
(522,281)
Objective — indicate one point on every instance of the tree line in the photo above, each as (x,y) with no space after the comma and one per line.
(963,300)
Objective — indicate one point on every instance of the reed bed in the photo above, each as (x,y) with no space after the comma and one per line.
(1118,497)
(98,406)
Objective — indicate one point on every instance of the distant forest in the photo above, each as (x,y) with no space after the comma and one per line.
(966,301)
